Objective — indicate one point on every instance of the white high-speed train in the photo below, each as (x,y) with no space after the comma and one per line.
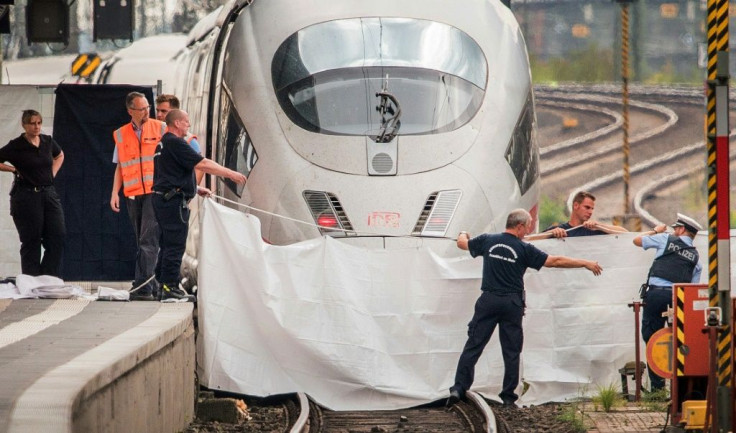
(381,122)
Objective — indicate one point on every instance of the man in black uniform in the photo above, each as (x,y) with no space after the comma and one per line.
(581,222)
(173,186)
(676,261)
(505,260)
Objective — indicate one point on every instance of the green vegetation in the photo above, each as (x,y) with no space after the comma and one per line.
(667,74)
(595,65)
(551,211)
(591,64)
(574,415)
(695,194)
(573,412)
(656,401)
(608,397)
(696,201)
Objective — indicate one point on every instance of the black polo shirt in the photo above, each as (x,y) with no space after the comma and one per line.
(174,163)
(33,164)
(505,260)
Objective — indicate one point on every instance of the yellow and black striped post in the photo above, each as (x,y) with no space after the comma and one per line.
(85,64)
(717,131)
(679,369)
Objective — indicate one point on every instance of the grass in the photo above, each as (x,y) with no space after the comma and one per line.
(608,397)
(574,415)
(656,401)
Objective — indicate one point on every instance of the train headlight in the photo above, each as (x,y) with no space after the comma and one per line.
(327,221)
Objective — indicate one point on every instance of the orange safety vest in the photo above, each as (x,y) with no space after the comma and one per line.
(136,156)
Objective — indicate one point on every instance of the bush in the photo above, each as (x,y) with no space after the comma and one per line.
(551,211)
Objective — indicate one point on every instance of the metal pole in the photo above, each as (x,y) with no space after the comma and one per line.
(3,10)
(711,406)
(717,138)
(636,305)
(625,100)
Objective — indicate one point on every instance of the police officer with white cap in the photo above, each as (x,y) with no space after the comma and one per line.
(676,261)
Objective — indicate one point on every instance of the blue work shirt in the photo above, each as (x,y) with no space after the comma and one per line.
(659,241)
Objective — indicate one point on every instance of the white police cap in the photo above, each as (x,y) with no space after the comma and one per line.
(685,221)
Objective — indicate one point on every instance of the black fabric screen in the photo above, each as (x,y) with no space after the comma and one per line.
(100,244)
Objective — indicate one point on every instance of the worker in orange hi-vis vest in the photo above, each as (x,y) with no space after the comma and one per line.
(135,144)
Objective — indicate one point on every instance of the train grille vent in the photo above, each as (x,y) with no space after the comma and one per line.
(328,213)
(437,214)
(382,163)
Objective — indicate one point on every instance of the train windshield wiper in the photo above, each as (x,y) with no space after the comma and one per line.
(390,116)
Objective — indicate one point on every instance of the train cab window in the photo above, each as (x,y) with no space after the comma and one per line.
(326,76)
(521,153)
(238,153)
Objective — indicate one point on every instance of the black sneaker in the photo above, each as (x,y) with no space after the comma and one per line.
(455,397)
(510,404)
(174,294)
(138,296)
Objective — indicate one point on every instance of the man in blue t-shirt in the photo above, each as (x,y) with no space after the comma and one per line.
(173,186)
(505,260)
(580,223)
(676,261)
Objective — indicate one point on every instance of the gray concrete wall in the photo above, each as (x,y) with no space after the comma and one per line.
(156,396)
(141,380)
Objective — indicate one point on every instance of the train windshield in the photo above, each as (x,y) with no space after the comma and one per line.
(326,76)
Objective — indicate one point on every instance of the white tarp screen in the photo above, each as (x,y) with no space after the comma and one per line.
(367,329)
(13,100)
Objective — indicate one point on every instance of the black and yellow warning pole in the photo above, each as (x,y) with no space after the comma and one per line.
(717,131)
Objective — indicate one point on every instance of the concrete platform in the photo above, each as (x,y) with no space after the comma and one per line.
(94,366)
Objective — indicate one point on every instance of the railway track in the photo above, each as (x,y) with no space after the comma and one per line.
(665,148)
(473,415)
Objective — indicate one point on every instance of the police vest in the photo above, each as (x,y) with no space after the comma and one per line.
(677,262)
(136,156)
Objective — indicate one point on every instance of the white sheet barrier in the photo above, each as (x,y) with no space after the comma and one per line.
(366,329)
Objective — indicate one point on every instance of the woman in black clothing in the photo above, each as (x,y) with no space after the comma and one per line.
(34,204)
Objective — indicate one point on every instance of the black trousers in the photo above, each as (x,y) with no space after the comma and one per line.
(143,220)
(173,223)
(657,301)
(491,309)
(39,219)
